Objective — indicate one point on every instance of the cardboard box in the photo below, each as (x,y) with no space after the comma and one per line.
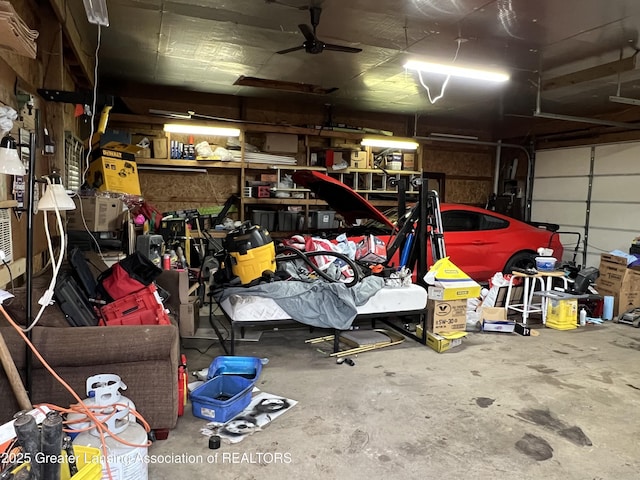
(442,342)
(108,174)
(160,148)
(408,161)
(620,282)
(176,282)
(269,177)
(454,290)
(371,249)
(494,319)
(281,142)
(189,317)
(359,160)
(101,214)
(144,153)
(120,155)
(445,316)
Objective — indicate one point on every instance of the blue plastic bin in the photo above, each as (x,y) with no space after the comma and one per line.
(221,398)
(246,367)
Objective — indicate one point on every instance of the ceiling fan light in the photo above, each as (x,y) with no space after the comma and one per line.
(455,71)
(201,130)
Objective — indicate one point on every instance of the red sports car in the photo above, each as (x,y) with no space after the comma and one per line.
(480,242)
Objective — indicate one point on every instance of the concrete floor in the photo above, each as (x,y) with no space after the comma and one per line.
(562,405)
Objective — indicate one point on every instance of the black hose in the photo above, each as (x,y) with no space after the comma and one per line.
(305,257)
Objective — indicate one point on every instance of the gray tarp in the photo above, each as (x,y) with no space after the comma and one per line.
(319,303)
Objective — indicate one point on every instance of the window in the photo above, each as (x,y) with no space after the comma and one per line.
(73,161)
(489,222)
(460,221)
(464,221)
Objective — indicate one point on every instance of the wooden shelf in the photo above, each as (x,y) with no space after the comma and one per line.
(283,201)
(164,162)
(8,203)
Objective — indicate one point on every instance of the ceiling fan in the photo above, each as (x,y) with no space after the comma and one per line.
(312,43)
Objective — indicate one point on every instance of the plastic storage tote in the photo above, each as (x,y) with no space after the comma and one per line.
(221,398)
(246,367)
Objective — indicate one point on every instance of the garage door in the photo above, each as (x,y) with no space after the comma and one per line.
(592,190)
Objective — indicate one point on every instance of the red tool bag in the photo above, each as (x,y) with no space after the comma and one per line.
(140,308)
(126,277)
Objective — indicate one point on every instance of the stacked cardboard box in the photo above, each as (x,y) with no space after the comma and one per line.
(447,304)
(176,282)
(620,282)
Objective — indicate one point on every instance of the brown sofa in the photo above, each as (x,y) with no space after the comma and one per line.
(145,357)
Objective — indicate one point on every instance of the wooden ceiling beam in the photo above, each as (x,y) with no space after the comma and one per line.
(588,74)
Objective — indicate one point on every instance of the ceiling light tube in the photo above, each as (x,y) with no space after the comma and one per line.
(201,130)
(488,75)
(97,12)
(391,142)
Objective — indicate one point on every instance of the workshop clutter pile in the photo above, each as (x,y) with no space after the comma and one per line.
(579,297)
(103,436)
(123,294)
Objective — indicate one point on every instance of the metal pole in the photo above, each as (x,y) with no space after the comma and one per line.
(29,260)
(496,173)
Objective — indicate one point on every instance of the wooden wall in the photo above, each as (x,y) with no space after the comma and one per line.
(468,171)
(20,74)
(169,191)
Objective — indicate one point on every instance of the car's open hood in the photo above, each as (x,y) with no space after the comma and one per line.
(338,196)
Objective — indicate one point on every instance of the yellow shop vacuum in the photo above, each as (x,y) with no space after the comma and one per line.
(252,252)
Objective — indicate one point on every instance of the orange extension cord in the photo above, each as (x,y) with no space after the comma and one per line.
(80,407)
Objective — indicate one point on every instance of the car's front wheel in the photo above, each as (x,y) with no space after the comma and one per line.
(520,260)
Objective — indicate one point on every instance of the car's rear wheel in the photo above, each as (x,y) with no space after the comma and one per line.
(520,260)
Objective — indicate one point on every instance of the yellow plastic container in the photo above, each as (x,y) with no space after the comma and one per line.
(562,314)
(88,461)
(251,265)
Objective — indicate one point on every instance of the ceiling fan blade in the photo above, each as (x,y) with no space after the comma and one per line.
(288,50)
(307,32)
(341,48)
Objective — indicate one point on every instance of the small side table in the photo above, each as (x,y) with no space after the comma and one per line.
(544,280)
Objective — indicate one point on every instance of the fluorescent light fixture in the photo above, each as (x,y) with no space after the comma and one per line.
(167,113)
(488,75)
(453,135)
(201,130)
(625,100)
(392,142)
(10,163)
(97,12)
